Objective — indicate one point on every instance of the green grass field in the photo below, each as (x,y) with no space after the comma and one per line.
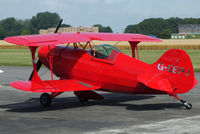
(22,57)
(151,56)
(15,57)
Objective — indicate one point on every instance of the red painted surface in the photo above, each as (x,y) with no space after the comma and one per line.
(122,73)
(53,39)
(80,70)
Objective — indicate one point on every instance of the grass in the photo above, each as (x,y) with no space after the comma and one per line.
(151,56)
(22,57)
(2,42)
(164,42)
(15,57)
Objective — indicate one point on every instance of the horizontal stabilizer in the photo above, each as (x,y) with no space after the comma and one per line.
(53,86)
(156,83)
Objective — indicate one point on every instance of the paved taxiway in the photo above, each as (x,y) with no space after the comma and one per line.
(21,113)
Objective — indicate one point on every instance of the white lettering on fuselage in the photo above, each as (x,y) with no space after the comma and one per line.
(173,69)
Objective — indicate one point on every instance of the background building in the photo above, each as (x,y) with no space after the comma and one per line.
(189,28)
(69,29)
(187,31)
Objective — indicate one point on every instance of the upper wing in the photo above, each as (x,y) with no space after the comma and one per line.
(48,39)
(63,38)
(53,86)
(121,37)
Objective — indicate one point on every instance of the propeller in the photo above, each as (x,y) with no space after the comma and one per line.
(39,63)
(58,26)
(38,66)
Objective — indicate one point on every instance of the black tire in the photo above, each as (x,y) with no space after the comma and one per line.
(188,107)
(45,99)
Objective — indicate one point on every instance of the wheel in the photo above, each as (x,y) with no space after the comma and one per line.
(83,99)
(188,106)
(45,99)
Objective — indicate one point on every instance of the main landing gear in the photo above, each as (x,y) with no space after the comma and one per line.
(83,96)
(188,106)
(46,99)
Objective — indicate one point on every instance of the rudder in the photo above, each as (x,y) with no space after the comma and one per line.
(176,66)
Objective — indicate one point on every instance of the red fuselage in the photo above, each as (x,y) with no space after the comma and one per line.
(118,73)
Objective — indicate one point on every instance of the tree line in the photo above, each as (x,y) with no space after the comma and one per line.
(44,20)
(161,28)
(11,26)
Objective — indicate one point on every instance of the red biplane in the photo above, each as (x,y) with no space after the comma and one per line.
(102,67)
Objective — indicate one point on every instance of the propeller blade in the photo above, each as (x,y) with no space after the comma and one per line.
(38,66)
(59,24)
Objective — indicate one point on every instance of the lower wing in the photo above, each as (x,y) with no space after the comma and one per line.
(53,86)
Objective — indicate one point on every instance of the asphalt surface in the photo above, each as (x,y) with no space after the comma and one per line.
(21,112)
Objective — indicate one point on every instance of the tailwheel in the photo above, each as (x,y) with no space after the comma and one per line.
(188,106)
(45,99)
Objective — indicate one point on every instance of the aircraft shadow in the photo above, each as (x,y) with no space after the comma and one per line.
(33,105)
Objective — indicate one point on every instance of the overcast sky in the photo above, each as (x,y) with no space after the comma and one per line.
(114,13)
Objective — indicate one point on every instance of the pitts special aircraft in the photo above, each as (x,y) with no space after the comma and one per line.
(102,67)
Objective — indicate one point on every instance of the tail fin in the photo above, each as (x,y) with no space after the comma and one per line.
(176,66)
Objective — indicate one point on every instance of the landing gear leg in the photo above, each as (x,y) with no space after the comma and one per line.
(188,106)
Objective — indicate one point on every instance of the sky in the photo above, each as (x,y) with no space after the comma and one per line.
(114,13)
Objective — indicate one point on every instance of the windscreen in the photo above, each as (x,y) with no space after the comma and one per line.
(103,51)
